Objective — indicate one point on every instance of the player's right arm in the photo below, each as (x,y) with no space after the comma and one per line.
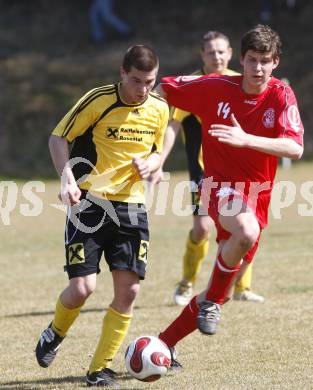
(74,124)
(59,151)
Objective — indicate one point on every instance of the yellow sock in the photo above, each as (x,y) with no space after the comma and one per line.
(114,329)
(64,318)
(244,283)
(194,255)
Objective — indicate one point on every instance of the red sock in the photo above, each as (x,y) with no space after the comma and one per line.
(221,280)
(184,324)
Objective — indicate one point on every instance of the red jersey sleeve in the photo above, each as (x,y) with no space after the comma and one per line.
(289,121)
(186,92)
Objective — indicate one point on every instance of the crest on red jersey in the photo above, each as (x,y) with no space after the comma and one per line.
(293,117)
(268,118)
(187,78)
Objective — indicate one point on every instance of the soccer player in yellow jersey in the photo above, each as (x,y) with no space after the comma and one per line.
(116,134)
(216,53)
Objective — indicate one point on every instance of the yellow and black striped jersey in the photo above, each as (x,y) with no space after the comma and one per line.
(106,135)
(191,124)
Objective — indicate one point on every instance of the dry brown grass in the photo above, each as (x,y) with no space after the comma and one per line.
(259,346)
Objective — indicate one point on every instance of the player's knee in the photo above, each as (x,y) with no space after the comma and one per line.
(123,301)
(132,293)
(83,290)
(248,236)
(200,232)
(245,243)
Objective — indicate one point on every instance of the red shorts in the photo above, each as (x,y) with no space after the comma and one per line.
(219,198)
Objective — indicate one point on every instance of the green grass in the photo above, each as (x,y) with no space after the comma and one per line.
(258,346)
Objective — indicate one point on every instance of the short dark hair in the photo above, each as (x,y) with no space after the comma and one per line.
(261,39)
(141,57)
(210,35)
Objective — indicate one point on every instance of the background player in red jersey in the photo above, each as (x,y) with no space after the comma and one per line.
(216,53)
(248,122)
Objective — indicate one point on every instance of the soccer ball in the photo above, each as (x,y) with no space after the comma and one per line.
(147,358)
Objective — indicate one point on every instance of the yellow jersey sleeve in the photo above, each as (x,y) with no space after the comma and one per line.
(179,115)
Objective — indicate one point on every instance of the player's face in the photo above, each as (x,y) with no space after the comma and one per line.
(137,84)
(216,55)
(257,70)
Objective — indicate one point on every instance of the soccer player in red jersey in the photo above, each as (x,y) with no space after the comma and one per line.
(216,53)
(248,122)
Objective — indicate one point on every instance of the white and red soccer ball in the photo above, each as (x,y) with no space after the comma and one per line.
(147,358)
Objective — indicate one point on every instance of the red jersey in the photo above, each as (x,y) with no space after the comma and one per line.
(272,113)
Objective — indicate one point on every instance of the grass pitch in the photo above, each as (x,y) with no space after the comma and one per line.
(258,346)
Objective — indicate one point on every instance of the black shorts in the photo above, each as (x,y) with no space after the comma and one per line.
(195,188)
(118,230)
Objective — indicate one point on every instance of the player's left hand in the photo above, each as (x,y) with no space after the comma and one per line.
(231,135)
(142,167)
